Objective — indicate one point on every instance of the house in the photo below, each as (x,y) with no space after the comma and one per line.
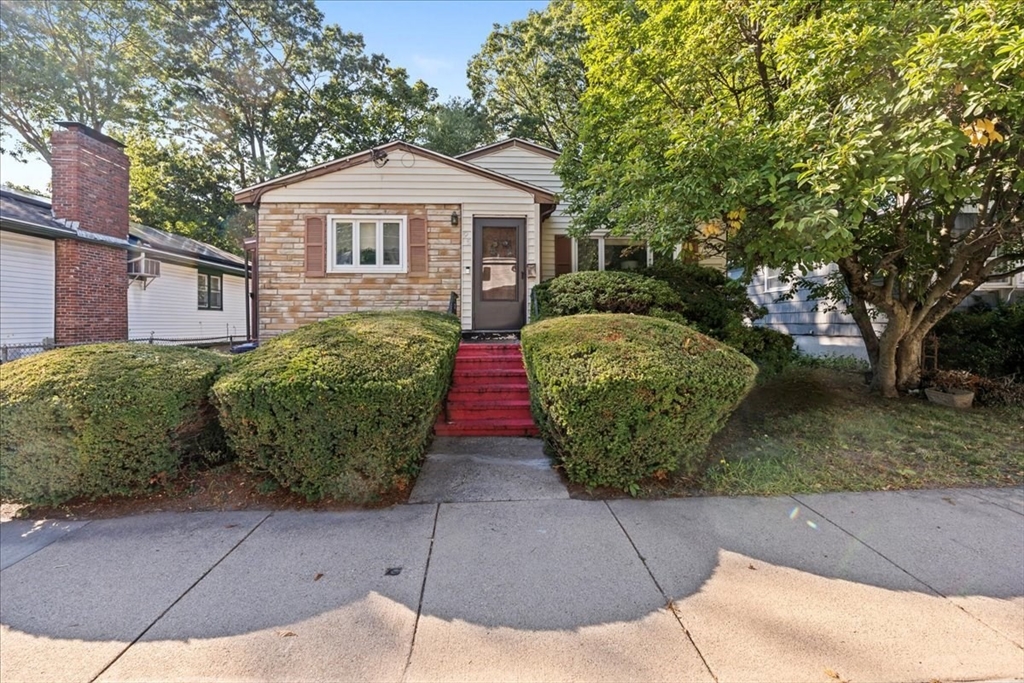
(74,270)
(400,226)
(819,332)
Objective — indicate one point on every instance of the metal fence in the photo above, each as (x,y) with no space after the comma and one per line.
(9,352)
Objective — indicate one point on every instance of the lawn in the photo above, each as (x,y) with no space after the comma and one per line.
(819,429)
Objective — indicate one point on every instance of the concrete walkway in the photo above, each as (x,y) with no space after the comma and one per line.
(909,586)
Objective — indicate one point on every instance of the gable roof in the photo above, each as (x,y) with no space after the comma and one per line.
(252,195)
(505,144)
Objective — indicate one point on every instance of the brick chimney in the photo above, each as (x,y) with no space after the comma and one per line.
(90,188)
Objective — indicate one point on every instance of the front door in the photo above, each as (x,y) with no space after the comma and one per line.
(499,273)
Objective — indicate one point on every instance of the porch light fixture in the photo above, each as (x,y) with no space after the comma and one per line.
(455,218)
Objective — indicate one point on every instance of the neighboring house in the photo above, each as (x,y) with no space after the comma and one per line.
(73,270)
(817,332)
(400,226)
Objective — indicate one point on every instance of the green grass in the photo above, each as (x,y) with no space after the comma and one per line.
(818,429)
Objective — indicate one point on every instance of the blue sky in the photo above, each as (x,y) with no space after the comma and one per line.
(432,40)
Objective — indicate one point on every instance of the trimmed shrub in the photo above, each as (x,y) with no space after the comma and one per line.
(713,303)
(983,341)
(341,408)
(620,398)
(770,349)
(604,292)
(104,419)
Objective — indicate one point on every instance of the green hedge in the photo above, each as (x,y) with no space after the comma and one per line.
(620,398)
(772,350)
(984,341)
(342,408)
(712,302)
(604,292)
(104,419)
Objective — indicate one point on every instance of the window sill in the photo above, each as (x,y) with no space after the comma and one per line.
(356,270)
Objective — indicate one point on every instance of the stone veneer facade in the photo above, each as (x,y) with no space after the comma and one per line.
(289,298)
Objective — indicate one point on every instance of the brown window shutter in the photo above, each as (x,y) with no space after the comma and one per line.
(316,246)
(563,255)
(417,246)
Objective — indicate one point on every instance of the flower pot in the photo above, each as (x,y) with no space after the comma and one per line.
(954,398)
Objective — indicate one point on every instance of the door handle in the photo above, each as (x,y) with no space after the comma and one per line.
(514,270)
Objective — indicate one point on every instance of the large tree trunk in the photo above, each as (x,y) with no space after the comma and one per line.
(908,360)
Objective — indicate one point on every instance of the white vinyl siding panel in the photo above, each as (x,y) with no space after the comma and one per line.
(405,179)
(169,307)
(27,287)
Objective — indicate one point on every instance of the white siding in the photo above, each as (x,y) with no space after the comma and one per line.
(168,308)
(27,284)
(537,169)
(405,179)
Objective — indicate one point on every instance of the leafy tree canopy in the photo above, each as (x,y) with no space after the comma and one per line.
(810,132)
(529,75)
(228,93)
(457,126)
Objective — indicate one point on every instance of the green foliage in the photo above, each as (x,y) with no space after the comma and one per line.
(266,87)
(831,362)
(713,303)
(181,192)
(529,75)
(620,398)
(846,131)
(984,341)
(69,61)
(605,292)
(457,126)
(341,408)
(104,419)
(770,349)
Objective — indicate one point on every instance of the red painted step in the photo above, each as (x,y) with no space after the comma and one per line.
(489,395)
(518,427)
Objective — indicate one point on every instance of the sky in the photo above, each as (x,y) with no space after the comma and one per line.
(432,39)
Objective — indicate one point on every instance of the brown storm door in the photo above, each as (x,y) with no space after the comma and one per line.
(499,273)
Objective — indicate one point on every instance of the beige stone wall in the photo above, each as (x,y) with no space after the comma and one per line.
(289,299)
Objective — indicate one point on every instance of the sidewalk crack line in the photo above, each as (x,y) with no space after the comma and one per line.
(423,589)
(669,603)
(915,578)
(179,598)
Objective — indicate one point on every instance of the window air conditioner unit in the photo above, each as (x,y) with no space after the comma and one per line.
(143,270)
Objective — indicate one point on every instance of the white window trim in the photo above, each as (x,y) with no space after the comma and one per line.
(600,250)
(380,219)
(780,286)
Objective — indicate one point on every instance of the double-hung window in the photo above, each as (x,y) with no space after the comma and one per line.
(367,244)
(211,293)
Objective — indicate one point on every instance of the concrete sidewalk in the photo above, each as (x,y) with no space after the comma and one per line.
(903,586)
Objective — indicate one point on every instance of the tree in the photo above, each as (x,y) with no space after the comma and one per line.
(180,191)
(811,132)
(457,126)
(529,75)
(68,61)
(267,88)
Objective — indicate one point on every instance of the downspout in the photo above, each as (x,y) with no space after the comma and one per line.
(248,313)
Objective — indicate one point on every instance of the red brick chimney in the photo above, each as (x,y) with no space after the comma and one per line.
(90,187)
